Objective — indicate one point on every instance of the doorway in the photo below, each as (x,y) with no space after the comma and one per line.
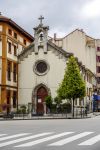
(41,94)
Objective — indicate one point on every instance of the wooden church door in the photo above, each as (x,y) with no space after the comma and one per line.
(41,94)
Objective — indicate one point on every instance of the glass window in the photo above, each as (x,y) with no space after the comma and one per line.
(98,69)
(10,31)
(15,35)
(9,71)
(41,67)
(98,48)
(14,72)
(9,47)
(98,58)
(24,42)
(15,50)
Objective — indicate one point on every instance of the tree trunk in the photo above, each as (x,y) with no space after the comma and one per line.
(73,107)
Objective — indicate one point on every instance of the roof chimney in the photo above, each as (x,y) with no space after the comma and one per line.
(55,36)
(82,30)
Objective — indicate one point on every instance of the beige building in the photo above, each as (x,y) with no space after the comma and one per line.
(84,49)
(13,39)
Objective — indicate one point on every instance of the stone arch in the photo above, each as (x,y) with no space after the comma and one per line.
(38,95)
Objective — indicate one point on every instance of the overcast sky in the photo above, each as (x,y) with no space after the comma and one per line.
(62,16)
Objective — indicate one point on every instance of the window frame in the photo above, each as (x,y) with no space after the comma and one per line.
(9,47)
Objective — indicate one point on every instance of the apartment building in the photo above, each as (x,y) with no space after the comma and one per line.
(13,39)
(98,62)
(84,49)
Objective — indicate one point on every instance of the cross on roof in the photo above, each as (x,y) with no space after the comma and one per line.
(0,14)
(41,18)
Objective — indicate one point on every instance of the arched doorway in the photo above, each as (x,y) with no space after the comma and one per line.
(41,94)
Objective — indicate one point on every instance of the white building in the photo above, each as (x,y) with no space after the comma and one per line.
(84,49)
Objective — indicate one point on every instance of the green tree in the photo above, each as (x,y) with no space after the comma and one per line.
(23,109)
(72,86)
(48,101)
(57,100)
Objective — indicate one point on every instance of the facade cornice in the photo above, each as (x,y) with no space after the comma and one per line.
(16,26)
(10,86)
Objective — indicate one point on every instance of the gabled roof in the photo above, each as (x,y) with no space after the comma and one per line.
(80,30)
(26,49)
(16,26)
(65,53)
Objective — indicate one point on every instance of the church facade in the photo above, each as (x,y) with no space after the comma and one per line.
(41,70)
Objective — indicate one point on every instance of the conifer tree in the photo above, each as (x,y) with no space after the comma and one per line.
(72,86)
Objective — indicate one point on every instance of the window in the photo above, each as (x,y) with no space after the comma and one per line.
(98,80)
(14,72)
(14,99)
(24,42)
(98,48)
(98,69)
(15,35)
(98,58)
(15,50)
(10,31)
(9,71)
(90,79)
(41,67)
(41,36)
(9,47)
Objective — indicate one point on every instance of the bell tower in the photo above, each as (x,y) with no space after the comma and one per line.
(41,36)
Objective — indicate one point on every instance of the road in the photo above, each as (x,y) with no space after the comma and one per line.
(63,134)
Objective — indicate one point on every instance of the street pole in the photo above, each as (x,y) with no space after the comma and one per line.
(73,107)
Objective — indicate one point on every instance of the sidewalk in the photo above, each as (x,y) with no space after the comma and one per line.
(49,116)
(53,116)
(94,114)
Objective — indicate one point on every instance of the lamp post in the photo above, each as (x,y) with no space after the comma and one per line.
(30,109)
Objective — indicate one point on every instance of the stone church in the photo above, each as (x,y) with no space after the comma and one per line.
(41,69)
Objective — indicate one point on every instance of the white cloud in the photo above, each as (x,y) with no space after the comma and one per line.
(91,9)
(62,16)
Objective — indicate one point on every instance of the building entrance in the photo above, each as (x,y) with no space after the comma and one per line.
(41,94)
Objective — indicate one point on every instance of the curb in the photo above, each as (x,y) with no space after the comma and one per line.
(42,118)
